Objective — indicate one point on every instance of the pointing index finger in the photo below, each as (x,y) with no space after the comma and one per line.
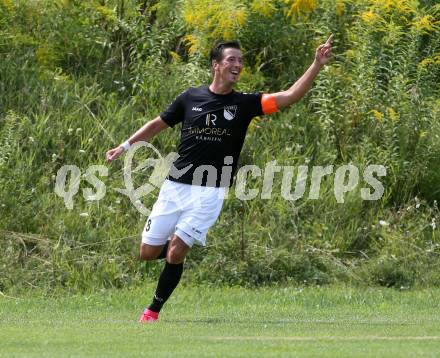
(329,40)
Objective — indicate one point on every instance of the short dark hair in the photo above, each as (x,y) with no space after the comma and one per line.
(217,50)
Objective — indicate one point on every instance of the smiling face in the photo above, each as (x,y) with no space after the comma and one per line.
(229,68)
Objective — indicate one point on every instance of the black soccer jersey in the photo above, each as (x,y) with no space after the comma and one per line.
(213,130)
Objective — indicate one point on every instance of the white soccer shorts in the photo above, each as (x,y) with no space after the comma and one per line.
(185,210)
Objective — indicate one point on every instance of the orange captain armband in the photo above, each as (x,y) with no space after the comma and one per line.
(269,104)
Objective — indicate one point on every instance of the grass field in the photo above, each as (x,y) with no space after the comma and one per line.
(223,322)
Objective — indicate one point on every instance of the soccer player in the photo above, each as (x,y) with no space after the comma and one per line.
(214,122)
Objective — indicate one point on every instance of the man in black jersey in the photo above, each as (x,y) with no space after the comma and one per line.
(214,121)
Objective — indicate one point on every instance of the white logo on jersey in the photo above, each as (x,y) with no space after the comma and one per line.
(197,109)
(229,112)
(210,119)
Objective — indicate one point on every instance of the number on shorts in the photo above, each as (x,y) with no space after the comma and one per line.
(148,225)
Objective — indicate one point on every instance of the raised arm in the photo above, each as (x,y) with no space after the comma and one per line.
(145,133)
(286,98)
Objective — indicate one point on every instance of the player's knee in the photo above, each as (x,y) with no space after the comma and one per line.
(176,255)
(146,254)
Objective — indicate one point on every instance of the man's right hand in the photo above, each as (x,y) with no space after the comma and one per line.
(114,153)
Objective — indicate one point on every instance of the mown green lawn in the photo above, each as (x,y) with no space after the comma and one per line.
(225,322)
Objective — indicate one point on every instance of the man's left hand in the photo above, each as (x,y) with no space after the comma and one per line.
(324,52)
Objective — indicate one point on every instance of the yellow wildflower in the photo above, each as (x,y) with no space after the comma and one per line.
(194,43)
(255,124)
(189,17)
(350,53)
(8,5)
(263,7)
(215,19)
(62,3)
(370,17)
(300,6)
(434,60)
(175,56)
(46,56)
(340,7)
(241,16)
(378,115)
(402,6)
(394,116)
(425,24)
(107,14)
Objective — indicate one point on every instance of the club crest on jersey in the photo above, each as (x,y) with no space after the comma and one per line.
(229,112)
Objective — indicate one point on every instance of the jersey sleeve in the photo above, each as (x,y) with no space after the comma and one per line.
(253,104)
(258,104)
(175,112)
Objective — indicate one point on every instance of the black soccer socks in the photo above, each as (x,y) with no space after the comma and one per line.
(168,280)
(163,253)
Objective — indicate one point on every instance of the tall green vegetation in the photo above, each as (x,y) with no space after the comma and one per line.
(77,78)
